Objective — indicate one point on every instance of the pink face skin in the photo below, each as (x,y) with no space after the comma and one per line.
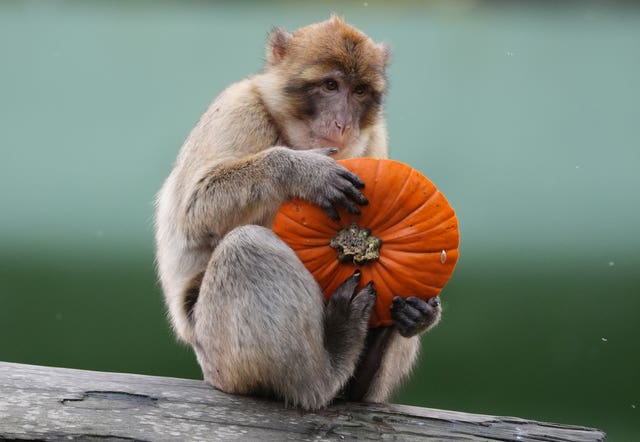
(333,109)
(338,108)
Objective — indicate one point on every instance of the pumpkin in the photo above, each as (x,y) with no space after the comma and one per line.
(405,240)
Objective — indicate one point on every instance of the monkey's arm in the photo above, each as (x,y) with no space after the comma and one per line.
(250,190)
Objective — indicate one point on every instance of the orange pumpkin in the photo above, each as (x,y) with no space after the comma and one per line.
(412,247)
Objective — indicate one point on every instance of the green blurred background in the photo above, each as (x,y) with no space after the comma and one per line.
(525,114)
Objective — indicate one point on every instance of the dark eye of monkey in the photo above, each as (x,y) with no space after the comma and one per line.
(361,89)
(331,85)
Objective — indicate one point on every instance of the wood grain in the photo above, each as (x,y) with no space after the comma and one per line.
(44,403)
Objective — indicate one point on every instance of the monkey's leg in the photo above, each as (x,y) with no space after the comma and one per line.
(260,322)
(390,352)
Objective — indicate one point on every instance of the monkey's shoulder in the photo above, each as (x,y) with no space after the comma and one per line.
(240,110)
(236,122)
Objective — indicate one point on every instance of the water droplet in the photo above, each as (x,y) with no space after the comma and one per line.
(510,54)
(611,263)
(365,4)
(633,406)
(604,339)
(443,256)
(577,167)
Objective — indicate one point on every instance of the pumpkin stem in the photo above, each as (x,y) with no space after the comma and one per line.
(356,245)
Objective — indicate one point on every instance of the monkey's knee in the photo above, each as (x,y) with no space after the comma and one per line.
(258,310)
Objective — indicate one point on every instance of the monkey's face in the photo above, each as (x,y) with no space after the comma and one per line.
(334,83)
(335,106)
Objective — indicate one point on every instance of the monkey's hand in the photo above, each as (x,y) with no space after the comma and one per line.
(413,315)
(316,177)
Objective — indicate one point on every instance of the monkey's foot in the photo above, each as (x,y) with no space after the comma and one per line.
(413,315)
(347,318)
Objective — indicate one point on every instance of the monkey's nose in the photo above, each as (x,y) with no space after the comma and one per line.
(342,127)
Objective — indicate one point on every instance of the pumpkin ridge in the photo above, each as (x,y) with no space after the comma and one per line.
(386,270)
(436,289)
(385,291)
(439,230)
(435,222)
(414,176)
(370,188)
(381,220)
(420,251)
(336,281)
(332,271)
(425,203)
(408,235)
(317,262)
(400,193)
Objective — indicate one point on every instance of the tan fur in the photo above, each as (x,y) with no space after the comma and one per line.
(259,321)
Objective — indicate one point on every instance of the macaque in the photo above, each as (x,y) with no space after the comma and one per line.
(235,292)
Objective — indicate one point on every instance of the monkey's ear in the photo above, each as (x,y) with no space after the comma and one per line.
(337,20)
(385,50)
(277,46)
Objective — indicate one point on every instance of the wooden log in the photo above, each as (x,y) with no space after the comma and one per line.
(43,403)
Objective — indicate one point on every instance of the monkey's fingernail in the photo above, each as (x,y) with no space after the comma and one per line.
(356,273)
(333,150)
(369,285)
(332,213)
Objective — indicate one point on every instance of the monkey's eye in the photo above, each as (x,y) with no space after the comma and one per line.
(361,89)
(331,85)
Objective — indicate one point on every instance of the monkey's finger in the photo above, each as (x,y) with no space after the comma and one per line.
(405,326)
(398,303)
(341,297)
(420,305)
(329,210)
(350,283)
(405,314)
(353,193)
(369,288)
(365,299)
(343,201)
(353,178)
(413,315)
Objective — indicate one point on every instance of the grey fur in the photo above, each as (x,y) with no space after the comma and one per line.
(261,327)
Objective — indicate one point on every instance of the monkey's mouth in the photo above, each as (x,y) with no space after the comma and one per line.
(330,142)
